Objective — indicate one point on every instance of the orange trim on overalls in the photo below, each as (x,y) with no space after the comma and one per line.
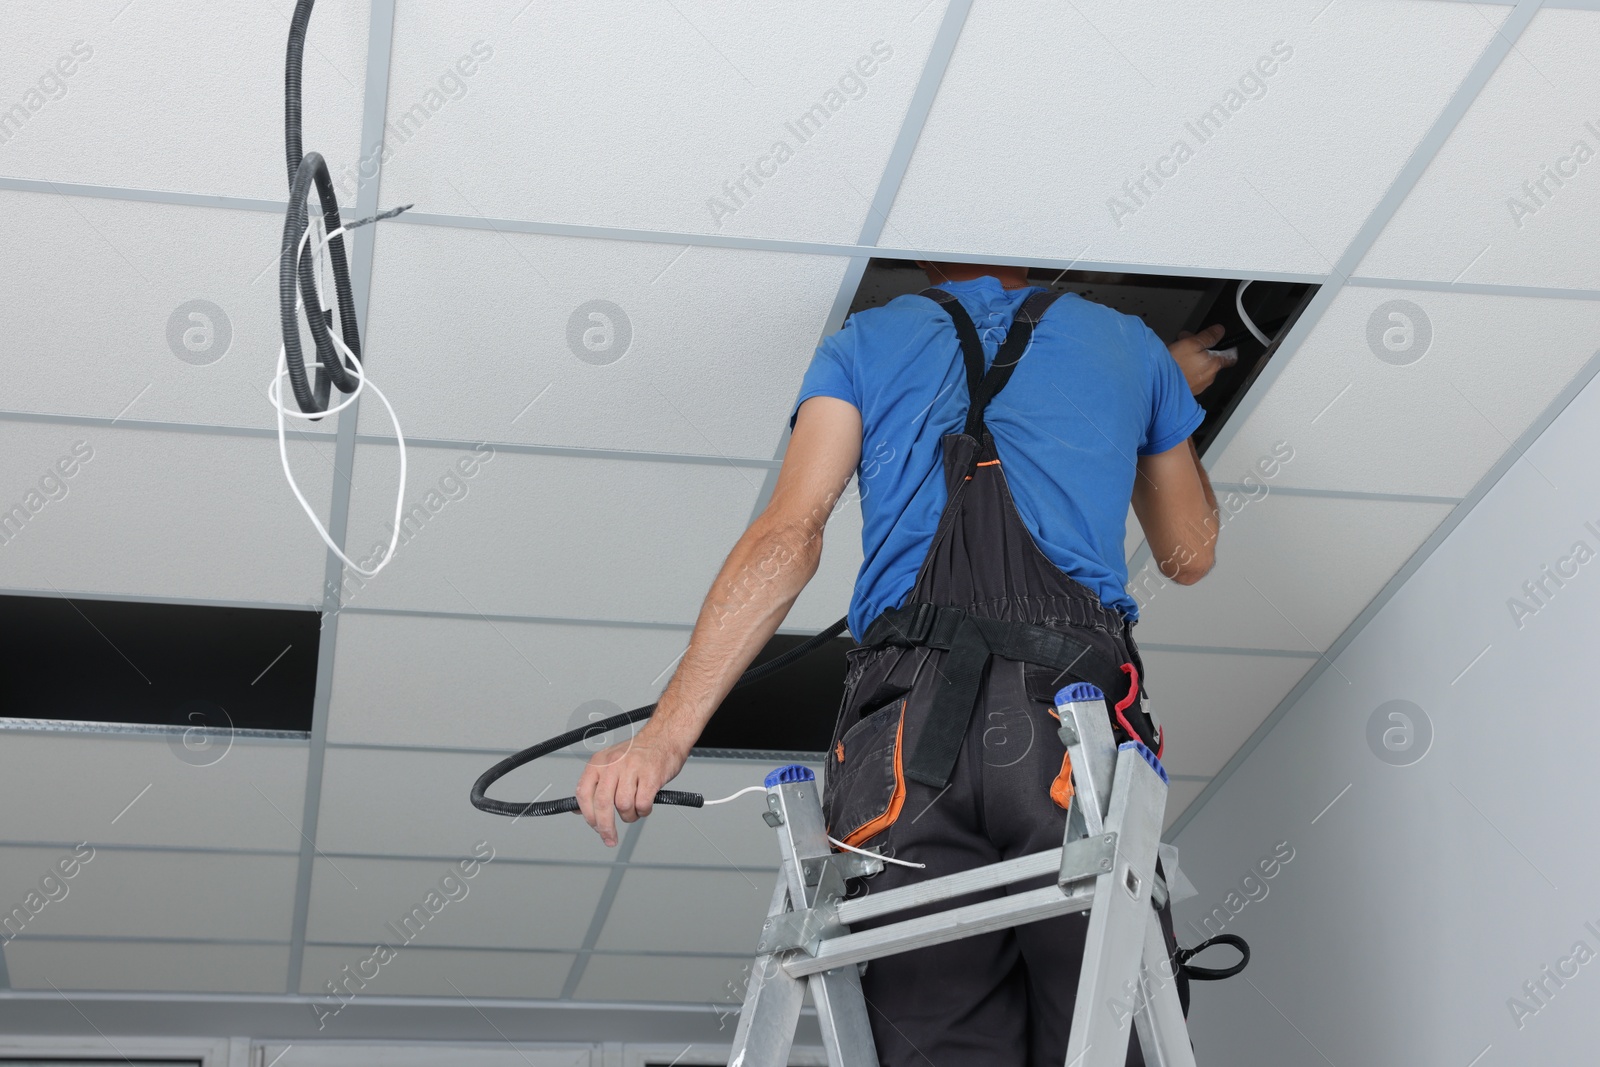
(867,830)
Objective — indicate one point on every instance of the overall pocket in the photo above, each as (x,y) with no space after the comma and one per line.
(866,785)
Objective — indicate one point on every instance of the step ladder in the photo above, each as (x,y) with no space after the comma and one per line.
(1105,866)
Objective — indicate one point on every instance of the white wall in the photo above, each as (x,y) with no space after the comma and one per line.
(1420,902)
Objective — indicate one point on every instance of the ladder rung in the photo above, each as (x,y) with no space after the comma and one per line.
(951,885)
(952,925)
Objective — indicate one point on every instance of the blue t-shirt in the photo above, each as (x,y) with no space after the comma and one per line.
(1095,389)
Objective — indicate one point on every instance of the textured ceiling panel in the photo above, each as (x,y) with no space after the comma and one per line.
(153,791)
(726,835)
(1512,196)
(147,106)
(717,981)
(547,535)
(464,902)
(1209,703)
(473,683)
(419,971)
(162,514)
(146,966)
(712,911)
(1078,103)
(116,893)
(1406,391)
(141,311)
(415,804)
(575,114)
(595,344)
(1273,583)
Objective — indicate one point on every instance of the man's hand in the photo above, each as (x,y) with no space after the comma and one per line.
(1199,366)
(623,780)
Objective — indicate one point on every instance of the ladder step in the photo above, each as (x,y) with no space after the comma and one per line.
(952,925)
(951,885)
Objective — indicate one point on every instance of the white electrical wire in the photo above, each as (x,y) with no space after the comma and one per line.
(1238,303)
(353,365)
(874,855)
(834,841)
(736,796)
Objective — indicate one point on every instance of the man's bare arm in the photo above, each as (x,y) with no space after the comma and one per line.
(763,575)
(1172,495)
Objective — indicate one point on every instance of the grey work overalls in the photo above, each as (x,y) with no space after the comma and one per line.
(946,750)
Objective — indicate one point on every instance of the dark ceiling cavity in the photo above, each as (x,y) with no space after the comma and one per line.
(206,668)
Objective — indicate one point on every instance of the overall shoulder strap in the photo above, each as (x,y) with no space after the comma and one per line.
(983,387)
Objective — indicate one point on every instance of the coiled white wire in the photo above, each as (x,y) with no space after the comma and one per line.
(834,841)
(275,395)
(1238,303)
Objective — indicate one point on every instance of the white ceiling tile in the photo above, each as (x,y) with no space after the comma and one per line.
(687,911)
(117,893)
(572,114)
(131,345)
(717,981)
(427,972)
(1273,585)
(730,834)
(1257,193)
(144,107)
(1351,419)
(1209,704)
(482,335)
(408,803)
(1179,796)
(1488,209)
(164,514)
(464,902)
(405,680)
(147,966)
(548,535)
(150,791)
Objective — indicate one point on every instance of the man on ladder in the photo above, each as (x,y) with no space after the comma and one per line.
(998,434)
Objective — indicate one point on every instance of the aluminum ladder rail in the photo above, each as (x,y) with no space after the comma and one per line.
(1105,866)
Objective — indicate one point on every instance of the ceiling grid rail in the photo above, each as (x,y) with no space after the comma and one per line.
(374,102)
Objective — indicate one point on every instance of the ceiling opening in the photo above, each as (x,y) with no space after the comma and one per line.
(177,665)
(794,711)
